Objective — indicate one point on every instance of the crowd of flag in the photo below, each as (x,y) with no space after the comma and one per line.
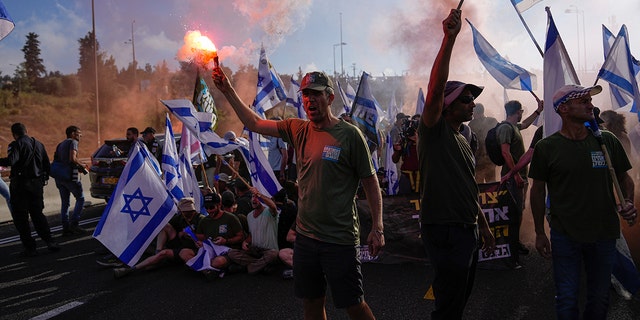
(144,199)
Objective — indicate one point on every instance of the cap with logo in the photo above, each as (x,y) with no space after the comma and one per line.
(316,80)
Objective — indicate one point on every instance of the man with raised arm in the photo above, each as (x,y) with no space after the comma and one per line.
(450,213)
(332,159)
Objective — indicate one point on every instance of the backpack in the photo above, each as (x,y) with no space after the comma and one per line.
(494,151)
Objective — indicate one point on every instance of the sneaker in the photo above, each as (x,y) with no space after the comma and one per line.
(287,274)
(522,249)
(121,272)
(109,261)
(53,247)
(28,253)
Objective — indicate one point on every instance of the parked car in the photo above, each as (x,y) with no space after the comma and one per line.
(108,162)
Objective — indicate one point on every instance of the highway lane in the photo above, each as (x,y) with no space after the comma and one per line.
(70,285)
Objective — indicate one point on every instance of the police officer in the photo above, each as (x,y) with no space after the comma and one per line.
(29,172)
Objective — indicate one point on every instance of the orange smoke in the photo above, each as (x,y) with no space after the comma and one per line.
(198,49)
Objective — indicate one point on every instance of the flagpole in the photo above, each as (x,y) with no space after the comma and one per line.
(204,172)
(234,171)
(527,27)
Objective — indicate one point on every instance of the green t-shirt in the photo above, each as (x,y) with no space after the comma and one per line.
(447,165)
(510,134)
(330,164)
(581,197)
(227,226)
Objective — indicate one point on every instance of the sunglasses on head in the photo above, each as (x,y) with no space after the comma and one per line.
(466,99)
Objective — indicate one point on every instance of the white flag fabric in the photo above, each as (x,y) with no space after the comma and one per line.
(618,67)
(419,102)
(618,100)
(208,251)
(523,5)
(199,124)
(558,71)
(6,23)
(193,147)
(270,90)
(509,75)
(189,182)
(391,169)
(136,212)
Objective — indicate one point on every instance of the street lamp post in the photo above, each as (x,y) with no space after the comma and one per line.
(133,49)
(334,57)
(578,12)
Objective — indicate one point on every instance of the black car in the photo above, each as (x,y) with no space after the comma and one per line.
(107,163)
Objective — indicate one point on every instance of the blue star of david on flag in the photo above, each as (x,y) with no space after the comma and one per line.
(144,201)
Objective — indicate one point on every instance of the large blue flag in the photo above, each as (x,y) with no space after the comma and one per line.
(509,75)
(618,68)
(6,23)
(136,212)
(558,71)
(365,112)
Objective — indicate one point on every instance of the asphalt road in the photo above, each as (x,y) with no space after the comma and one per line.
(70,285)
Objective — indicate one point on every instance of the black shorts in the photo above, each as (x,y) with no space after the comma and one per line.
(316,264)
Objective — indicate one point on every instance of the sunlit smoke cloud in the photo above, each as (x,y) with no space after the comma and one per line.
(276,18)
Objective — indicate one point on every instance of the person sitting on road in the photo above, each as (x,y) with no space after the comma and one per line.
(260,248)
(173,243)
(286,254)
(222,228)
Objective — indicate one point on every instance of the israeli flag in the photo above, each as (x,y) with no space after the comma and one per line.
(509,75)
(172,177)
(618,68)
(294,99)
(262,176)
(208,251)
(365,112)
(189,182)
(347,96)
(6,23)
(199,124)
(270,90)
(136,212)
(558,71)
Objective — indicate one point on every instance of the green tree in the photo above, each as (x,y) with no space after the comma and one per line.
(86,72)
(33,67)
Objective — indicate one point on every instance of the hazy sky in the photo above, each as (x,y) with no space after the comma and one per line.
(387,36)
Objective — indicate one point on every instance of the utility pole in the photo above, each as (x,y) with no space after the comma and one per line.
(341,44)
(95,65)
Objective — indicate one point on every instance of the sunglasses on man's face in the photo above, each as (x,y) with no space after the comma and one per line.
(466,99)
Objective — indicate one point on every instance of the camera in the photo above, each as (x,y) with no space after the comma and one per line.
(408,128)
(82,169)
